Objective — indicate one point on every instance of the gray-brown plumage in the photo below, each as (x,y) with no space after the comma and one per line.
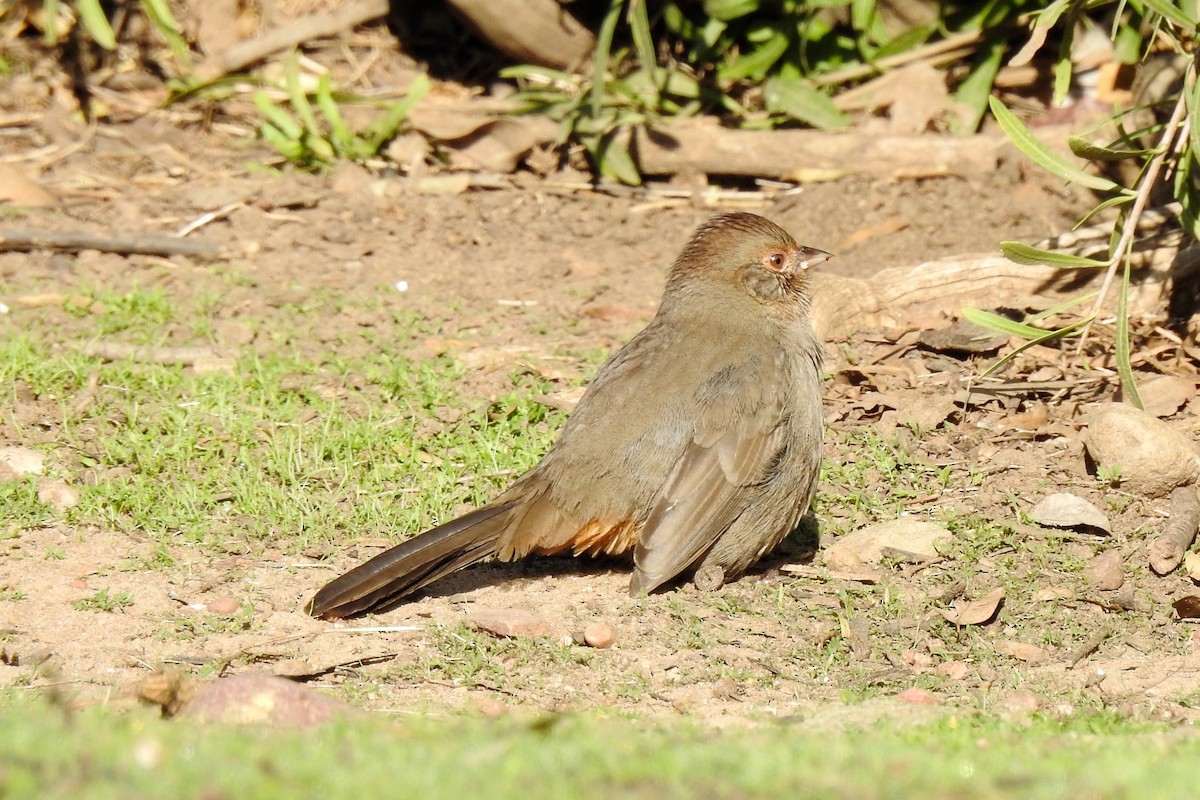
(696,446)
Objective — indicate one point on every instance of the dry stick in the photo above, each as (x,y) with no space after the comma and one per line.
(1088,647)
(147,243)
(302,30)
(927,52)
(1167,550)
(1129,229)
(118,351)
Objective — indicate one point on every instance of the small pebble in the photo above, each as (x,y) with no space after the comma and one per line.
(57,494)
(917,697)
(222,605)
(600,634)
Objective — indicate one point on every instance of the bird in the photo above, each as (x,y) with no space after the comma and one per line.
(696,447)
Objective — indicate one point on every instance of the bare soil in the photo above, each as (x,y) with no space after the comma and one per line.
(523,270)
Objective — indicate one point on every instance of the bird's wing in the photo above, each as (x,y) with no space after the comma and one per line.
(708,489)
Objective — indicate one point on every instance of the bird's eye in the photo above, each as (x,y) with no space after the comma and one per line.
(775,261)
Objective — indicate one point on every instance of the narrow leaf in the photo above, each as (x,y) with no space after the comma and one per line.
(1023,253)
(1043,156)
(277,116)
(95,21)
(643,41)
(1001,324)
(614,161)
(385,128)
(1172,12)
(1047,336)
(755,63)
(725,10)
(159,13)
(1095,152)
(1124,364)
(601,55)
(802,102)
(976,88)
(1115,200)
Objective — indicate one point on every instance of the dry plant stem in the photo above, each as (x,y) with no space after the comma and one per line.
(929,52)
(1167,551)
(1129,229)
(302,30)
(144,243)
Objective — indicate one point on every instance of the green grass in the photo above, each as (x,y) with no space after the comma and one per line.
(47,752)
(319,449)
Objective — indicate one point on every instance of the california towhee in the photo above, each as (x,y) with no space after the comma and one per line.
(697,446)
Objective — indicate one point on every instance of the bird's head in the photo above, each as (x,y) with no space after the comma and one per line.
(750,255)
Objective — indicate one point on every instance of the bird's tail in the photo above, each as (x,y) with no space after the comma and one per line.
(385,580)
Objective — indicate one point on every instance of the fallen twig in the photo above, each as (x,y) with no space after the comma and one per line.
(302,30)
(144,243)
(1168,549)
(117,351)
(1087,648)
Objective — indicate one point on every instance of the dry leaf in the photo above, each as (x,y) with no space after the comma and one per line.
(866,545)
(1191,564)
(1166,394)
(1187,607)
(1029,653)
(974,612)
(1065,510)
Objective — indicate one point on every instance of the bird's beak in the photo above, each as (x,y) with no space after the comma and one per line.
(809,257)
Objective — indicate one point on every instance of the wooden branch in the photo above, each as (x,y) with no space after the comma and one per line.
(1167,551)
(145,243)
(315,26)
(803,155)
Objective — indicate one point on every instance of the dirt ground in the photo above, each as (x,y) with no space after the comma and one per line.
(522,270)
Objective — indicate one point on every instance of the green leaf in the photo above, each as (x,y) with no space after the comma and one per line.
(296,95)
(1001,324)
(385,127)
(277,117)
(905,41)
(288,147)
(614,161)
(1062,79)
(95,22)
(1022,253)
(339,134)
(50,14)
(1172,12)
(802,102)
(976,88)
(725,10)
(1115,200)
(1046,336)
(1127,44)
(160,15)
(539,74)
(601,55)
(1094,152)
(1043,156)
(1124,363)
(755,63)
(643,41)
